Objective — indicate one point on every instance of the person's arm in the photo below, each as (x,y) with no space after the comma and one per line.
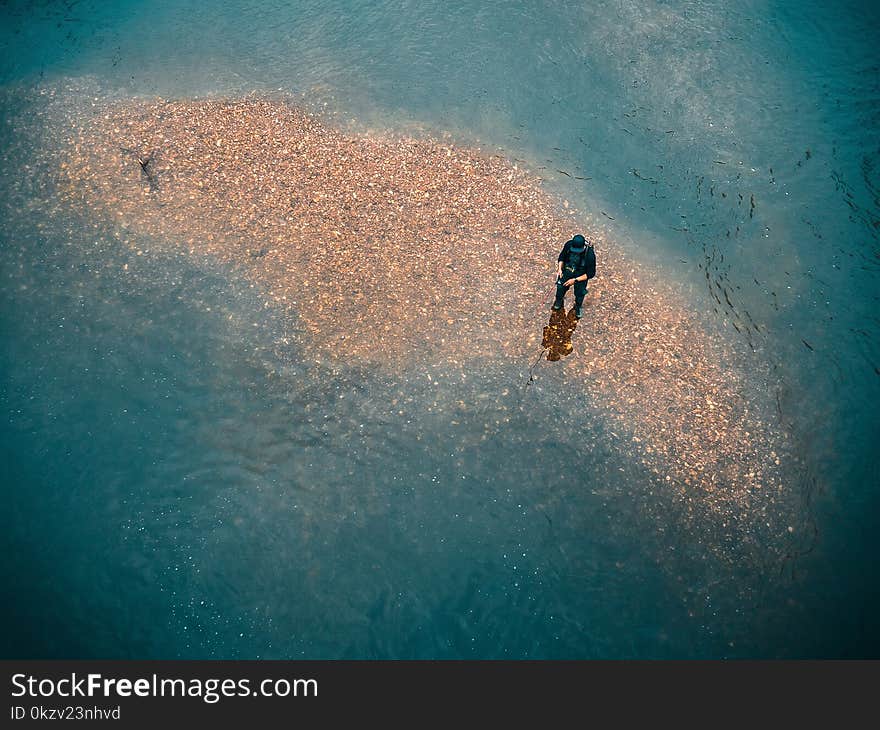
(582,277)
(560,260)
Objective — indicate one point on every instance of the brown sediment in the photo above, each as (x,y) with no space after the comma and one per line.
(398,250)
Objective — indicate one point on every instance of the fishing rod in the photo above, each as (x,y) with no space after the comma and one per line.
(547,296)
(544,349)
(549,293)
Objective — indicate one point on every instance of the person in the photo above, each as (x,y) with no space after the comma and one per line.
(575,266)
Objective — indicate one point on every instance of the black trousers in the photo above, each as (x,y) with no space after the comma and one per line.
(580,290)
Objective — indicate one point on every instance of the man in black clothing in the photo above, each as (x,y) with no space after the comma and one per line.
(574,267)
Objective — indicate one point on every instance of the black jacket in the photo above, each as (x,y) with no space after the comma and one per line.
(587,262)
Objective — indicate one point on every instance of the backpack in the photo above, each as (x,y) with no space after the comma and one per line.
(590,261)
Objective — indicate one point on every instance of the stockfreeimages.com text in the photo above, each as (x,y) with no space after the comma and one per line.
(210,690)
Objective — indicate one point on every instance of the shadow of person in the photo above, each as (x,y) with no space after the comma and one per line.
(557,334)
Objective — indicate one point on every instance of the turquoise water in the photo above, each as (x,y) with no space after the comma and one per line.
(180,485)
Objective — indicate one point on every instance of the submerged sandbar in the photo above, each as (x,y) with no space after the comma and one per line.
(403,251)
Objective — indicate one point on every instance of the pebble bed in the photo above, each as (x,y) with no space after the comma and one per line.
(409,252)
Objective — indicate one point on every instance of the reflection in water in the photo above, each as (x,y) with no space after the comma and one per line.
(557,334)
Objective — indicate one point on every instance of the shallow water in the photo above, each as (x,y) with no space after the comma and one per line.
(181,484)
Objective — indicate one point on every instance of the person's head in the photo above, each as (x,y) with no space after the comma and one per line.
(578,243)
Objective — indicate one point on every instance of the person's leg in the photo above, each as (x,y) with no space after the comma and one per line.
(560,296)
(580,291)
